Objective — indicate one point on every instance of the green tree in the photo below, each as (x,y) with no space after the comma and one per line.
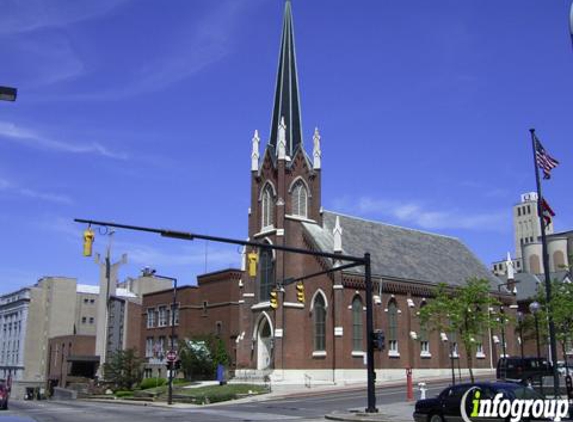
(123,369)
(463,310)
(562,308)
(200,356)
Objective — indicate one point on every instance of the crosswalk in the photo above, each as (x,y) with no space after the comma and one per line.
(88,412)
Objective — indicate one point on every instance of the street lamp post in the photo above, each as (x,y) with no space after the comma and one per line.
(502,314)
(171,362)
(534,307)
(520,318)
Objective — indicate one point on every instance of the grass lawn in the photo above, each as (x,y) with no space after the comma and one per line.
(217,393)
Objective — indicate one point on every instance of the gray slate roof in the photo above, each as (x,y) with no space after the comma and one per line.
(528,284)
(402,253)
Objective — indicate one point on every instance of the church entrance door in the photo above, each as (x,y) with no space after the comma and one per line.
(264,345)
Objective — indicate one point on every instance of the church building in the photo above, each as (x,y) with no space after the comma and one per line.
(322,339)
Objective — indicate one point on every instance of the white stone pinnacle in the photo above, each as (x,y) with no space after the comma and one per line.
(337,232)
(255,154)
(316,152)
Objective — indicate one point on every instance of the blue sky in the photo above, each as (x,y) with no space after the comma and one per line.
(142,113)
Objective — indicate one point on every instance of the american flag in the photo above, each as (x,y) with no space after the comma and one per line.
(547,212)
(544,161)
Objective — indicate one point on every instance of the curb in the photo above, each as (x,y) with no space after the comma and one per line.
(363,417)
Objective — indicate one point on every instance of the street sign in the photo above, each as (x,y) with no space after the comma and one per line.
(171,356)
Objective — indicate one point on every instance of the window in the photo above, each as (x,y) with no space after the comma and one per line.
(86,300)
(218,328)
(319,314)
(299,199)
(92,300)
(528,209)
(91,320)
(266,274)
(479,350)
(205,305)
(161,346)
(267,207)
(150,318)
(393,328)
(175,310)
(162,321)
(519,212)
(424,342)
(357,342)
(84,319)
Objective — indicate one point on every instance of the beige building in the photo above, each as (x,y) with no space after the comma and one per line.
(28,318)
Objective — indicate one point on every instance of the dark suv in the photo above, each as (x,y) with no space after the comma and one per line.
(523,369)
(4,395)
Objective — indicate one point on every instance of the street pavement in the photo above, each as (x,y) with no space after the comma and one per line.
(305,405)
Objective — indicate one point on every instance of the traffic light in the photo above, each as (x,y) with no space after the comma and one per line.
(253,260)
(300,292)
(379,340)
(89,237)
(274,299)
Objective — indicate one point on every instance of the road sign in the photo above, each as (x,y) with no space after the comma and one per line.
(171,356)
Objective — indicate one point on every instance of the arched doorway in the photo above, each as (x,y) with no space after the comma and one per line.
(264,344)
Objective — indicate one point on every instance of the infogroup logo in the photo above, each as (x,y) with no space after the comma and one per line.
(516,409)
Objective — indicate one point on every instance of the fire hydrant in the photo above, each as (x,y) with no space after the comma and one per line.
(423,389)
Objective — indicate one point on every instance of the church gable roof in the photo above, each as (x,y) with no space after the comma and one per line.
(402,253)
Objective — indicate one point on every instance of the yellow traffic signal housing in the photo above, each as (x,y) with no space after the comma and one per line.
(300,292)
(89,237)
(274,299)
(253,260)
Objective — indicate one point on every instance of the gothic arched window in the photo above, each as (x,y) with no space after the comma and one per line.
(392,327)
(267,207)
(300,200)
(319,313)
(266,274)
(424,340)
(357,330)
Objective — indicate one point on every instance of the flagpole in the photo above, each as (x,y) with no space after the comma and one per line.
(552,339)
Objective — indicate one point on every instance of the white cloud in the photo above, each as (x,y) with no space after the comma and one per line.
(146,255)
(30,137)
(419,215)
(11,188)
(193,48)
(23,16)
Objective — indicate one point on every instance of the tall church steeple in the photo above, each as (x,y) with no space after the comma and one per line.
(287,99)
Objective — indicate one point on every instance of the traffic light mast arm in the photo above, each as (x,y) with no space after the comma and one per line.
(357,260)
(331,270)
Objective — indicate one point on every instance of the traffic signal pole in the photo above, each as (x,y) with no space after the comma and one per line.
(353,261)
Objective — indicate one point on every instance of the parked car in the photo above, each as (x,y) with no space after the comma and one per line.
(4,396)
(516,369)
(446,406)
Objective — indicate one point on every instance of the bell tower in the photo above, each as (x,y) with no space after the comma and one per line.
(285,192)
